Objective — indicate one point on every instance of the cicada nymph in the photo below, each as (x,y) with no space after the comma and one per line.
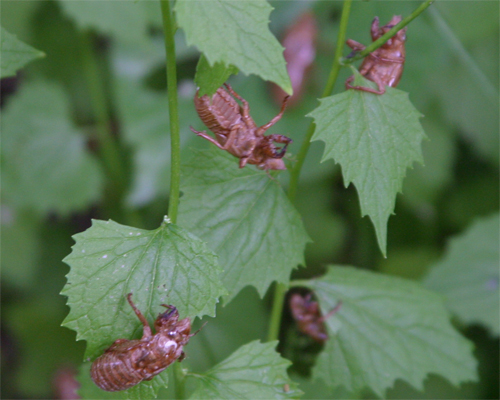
(308,316)
(384,66)
(129,362)
(236,131)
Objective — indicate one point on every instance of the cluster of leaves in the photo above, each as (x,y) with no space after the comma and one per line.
(237,228)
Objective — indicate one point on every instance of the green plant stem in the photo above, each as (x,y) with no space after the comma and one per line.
(384,38)
(275,321)
(108,147)
(280,291)
(169,27)
(109,150)
(332,79)
(180,379)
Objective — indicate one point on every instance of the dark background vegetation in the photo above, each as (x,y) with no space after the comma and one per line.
(451,52)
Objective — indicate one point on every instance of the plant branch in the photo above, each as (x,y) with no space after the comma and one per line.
(332,79)
(108,148)
(109,151)
(278,303)
(169,27)
(384,38)
(280,291)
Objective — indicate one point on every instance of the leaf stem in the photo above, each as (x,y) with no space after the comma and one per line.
(278,303)
(108,147)
(280,291)
(169,27)
(384,38)
(180,381)
(110,154)
(332,78)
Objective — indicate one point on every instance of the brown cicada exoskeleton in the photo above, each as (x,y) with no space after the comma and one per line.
(384,66)
(129,362)
(236,131)
(308,316)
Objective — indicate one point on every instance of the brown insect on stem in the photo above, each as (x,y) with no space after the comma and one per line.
(384,66)
(308,316)
(128,362)
(236,132)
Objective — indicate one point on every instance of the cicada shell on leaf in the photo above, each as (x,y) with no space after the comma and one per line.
(384,66)
(129,362)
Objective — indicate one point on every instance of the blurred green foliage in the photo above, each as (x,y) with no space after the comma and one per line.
(451,73)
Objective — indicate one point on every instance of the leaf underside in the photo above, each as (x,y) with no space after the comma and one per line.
(245,217)
(375,138)
(239,36)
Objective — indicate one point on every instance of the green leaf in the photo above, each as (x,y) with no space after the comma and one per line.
(235,33)
(387,328)
(468,275)
(375,138)
(109,260)
(15,54)
(20,247)
(254,371)
(126,20)
(245,217)
(210,78)
(46,165)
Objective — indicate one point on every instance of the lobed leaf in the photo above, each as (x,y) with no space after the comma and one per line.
(210,78)
(375,138)
(15,54)
(46,166)
(235,33)
(165,265)
(468,275)
(254,371)
(245,217)
(387,328)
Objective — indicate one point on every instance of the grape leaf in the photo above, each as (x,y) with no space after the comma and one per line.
(46,166)
(375,139)
(144,390)
(15,54)
(235,33)
(109,260)
(468,275)
(210,78)
(254,371)
(245,217)
(386,328)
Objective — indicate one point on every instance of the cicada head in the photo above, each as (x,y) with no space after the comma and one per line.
(166,320)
